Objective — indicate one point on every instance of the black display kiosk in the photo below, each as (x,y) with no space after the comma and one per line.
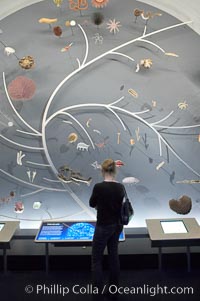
(7,230)
(174,233)
(66,234)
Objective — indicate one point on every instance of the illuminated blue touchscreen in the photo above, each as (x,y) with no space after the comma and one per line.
(67,231)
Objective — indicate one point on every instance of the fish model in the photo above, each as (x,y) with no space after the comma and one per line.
(64,179)
(74,177)
(67,175)
(130,180)
(64,168)
(119,163)
(77,177)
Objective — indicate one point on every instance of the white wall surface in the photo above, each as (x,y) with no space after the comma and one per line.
(184,10)
(7,7)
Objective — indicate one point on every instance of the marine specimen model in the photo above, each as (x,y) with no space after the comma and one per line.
(99,3)
(181,206)
(67,175)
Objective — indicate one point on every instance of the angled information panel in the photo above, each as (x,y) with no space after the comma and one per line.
(7,230)
(68,231)
(173,229)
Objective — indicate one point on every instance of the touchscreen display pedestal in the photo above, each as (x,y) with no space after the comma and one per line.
(7,230)
(66,233)
(174,233)
(173,230)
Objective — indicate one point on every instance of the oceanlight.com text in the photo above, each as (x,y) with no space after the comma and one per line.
(89,289)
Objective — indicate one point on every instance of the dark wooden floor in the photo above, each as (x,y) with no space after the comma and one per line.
(26,279)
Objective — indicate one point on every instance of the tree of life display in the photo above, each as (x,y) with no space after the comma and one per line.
(116,81)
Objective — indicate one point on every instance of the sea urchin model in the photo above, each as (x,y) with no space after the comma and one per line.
(27,62)
(99,3)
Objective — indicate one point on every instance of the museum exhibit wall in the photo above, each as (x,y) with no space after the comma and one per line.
(81,85)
